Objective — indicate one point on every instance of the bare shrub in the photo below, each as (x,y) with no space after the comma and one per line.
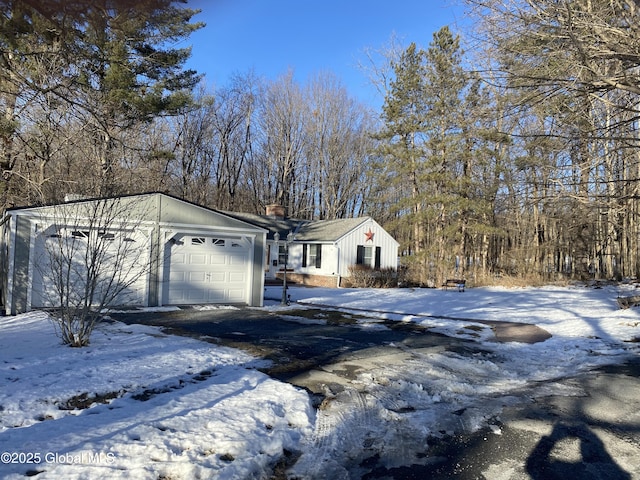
(363,276)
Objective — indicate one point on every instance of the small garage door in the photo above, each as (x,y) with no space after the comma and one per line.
(207,269)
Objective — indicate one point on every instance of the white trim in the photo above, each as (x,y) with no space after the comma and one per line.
(252,254)
(79,221)
(11,260)
(149,264)
(32,244)
(190,227)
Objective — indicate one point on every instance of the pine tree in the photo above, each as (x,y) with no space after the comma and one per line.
(447,169)
(128,69)
(114,62)
(424,161)
(402,146)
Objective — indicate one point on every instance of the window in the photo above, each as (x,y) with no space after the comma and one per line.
(364,255)
(282,254)
(368,256)
(80,234)
(312,255)
(107,236)
(197,241)
(315,255)
(218,242)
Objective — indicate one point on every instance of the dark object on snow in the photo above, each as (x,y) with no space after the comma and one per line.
(454,283)
(626,302)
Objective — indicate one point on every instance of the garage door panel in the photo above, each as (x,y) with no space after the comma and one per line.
(236,295)
(196,294)
(207,270)
(237,277)
(218,260)
(217,296)
(236,259)
(197,259)
(218,277)
(197,277)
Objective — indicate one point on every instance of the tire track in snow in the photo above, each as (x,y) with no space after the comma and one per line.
(342,437)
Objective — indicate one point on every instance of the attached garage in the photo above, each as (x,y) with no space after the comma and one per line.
(159,249)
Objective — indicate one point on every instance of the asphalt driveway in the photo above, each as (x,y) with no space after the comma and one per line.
(298,341)
(591,435)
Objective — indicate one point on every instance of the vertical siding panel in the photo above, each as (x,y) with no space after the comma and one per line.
(349,245)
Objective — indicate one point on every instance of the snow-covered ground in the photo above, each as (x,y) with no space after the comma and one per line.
(175,407)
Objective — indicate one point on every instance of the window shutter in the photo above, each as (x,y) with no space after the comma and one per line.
(360,255)
(304,254)
(318,255)
(378,255)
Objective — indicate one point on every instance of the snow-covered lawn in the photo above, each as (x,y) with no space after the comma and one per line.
(182,409)
(175,407)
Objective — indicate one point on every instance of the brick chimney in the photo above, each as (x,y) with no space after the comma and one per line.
(275,211)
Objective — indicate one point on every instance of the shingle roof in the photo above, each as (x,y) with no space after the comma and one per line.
(328,230)
(304,230)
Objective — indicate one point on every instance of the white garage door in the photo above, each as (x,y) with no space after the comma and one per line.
(70,261)
(207,269)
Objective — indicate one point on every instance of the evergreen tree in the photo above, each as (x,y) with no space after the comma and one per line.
(402,146)
(427,169)
(113,61)
(128,69)
(447,173)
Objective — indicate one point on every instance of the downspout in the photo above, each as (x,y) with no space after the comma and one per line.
(7,280)
(338,254)
(157,257)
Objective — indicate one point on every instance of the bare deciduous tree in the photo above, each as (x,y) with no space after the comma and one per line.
(281,141)
(94,255)
(338,149)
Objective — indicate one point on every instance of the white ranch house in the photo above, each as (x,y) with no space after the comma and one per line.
(321,251)
(180,253)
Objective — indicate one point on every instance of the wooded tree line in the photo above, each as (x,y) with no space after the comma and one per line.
(521,157)
(96,101)
(516,157)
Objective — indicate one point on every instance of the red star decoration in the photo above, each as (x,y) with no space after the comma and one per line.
(369,235)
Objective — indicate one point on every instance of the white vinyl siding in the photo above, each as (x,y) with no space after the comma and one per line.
(383,248)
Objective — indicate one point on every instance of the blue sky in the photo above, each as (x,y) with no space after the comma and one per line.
(273,36)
